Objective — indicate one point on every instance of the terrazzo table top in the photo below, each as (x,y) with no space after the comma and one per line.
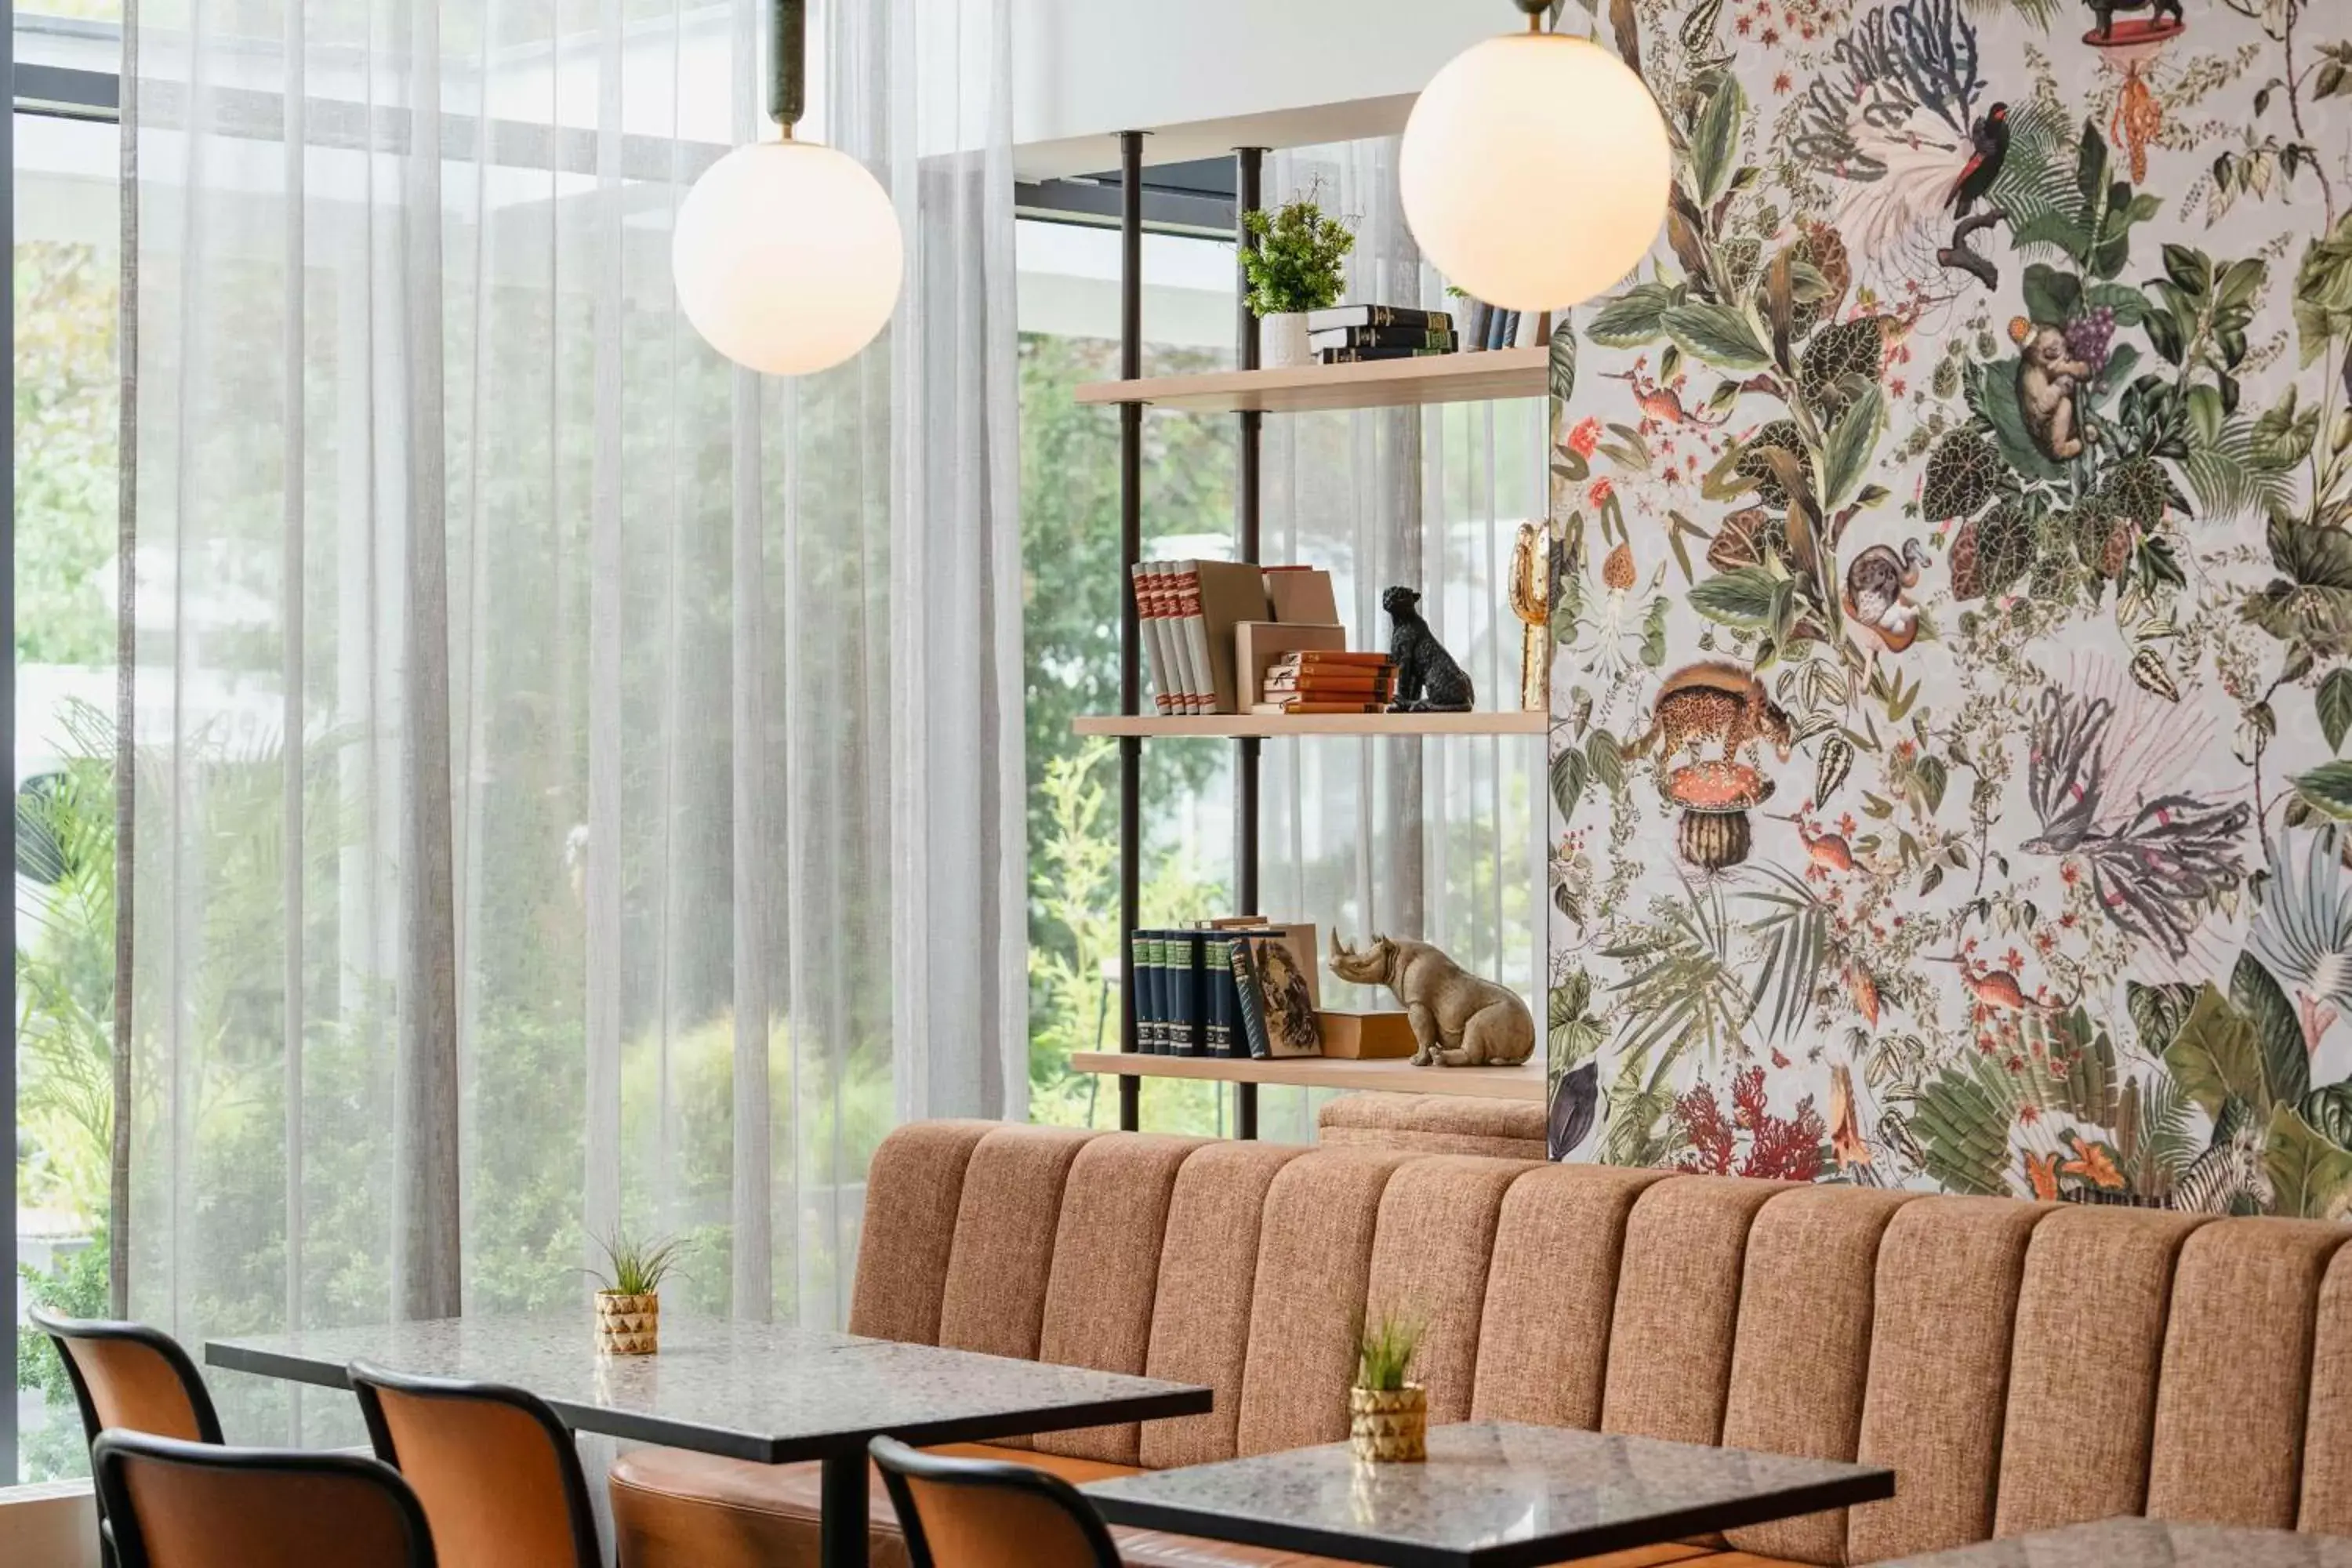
(2147,1543)
(769,1393)
(1492,1494)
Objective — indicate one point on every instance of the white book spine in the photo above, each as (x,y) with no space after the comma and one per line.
(1147,632)
(1196,640)
(1180,650)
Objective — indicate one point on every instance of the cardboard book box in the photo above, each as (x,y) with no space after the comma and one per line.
(1257,644)
(1366,1037)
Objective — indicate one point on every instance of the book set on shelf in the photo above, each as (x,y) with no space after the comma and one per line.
(1213,628)
(1327,680)
(1357,334)
(1246,988)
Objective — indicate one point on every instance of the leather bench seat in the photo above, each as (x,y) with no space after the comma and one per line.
(672,1505)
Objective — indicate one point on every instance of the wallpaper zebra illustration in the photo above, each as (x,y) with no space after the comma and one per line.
(1953,628)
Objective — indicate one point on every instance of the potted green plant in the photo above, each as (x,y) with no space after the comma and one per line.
(1388,1414)
(628,1302)
(1294,268)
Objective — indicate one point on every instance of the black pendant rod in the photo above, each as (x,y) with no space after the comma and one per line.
(788,55)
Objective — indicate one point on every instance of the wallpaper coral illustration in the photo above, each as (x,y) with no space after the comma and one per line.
(1954,624)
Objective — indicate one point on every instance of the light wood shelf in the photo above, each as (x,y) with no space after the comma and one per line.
(1378,383)
(1391,1076)
(1272,726)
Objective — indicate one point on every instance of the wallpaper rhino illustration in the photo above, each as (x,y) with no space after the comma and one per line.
(1988,404)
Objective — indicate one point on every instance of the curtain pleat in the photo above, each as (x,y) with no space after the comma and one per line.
(579,781)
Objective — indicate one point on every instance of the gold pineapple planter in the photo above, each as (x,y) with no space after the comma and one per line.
(1388,1425)
(628,1325)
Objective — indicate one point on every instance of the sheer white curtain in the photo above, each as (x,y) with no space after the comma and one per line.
(579,782)
(1440,840)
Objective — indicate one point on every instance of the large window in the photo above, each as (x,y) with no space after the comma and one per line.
(1069,520)
(65,298)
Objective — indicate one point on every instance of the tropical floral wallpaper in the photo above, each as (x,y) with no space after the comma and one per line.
(1953,537)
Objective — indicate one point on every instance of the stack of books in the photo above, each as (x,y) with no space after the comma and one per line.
(1327,680)
(1187,611)
(1205,626)
(1230,988)
(1346,335)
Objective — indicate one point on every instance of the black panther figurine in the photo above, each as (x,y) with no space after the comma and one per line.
(2158,10)
(1427,679)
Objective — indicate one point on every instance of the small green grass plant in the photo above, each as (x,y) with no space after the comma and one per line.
(637,1267)
(1385,1347)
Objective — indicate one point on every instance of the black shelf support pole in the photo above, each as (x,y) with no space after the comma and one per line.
(1249,163)
(1130,550)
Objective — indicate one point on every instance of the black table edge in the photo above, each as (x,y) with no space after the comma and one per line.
(1871,1486)
(230,1356)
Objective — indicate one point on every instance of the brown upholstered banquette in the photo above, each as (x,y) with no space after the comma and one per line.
(1433,1124)
(2020,1367)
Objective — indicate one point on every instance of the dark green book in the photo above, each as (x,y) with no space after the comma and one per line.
(1382,338)
(1187,969)
(1249,1001)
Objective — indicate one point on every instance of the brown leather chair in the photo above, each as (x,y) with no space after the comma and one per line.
(494,1468)
(171,1504)
(132,1377)
(988,1513)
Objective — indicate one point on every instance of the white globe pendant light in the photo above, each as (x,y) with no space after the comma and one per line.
(1535,169)
(786,253)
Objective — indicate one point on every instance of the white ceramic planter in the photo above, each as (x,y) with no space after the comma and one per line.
(1282,340)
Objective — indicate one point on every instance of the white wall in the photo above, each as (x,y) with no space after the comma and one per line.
(1205,76)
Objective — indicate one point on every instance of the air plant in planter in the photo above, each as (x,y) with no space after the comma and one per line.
(1293,266)
(628,1305)
(1388,1417)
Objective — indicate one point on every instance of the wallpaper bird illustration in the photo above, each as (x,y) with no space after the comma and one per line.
(1953,638)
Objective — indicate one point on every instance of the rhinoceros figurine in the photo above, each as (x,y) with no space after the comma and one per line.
(1459,1019)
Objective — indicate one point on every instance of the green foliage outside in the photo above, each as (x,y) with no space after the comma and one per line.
(66,298)
(1073,597)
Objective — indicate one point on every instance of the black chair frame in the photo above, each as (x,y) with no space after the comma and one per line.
(62,1328)
(898,1461)
(366,1378)
(119,1521)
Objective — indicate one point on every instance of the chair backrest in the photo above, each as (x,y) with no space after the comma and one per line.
(976,1514)
(170,1504)
(132,1377)
(495,1469)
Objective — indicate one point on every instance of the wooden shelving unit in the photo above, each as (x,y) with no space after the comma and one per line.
(1525,1082)
(1248,395)
(1275,726)
(1302,389)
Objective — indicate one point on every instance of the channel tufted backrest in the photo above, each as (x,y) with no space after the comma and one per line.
(1313,1267)
(1104,1280)
(2020,1366)
(1943,1310)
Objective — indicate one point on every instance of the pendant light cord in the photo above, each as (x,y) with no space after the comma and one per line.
(788,88)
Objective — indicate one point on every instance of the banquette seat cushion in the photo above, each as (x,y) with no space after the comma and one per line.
(1433,1124)
(2020,1367)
